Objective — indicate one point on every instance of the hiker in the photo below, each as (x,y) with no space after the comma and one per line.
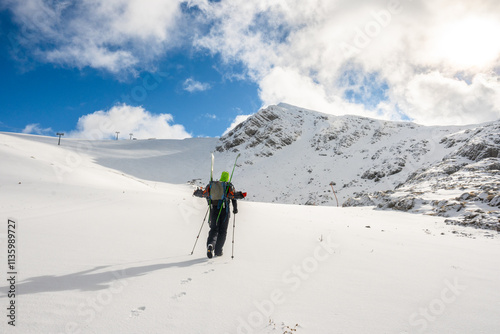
(219,195)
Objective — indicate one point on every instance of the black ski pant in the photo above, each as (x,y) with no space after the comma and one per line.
(218,228)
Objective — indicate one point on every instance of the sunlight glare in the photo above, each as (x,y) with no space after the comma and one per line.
(469,43)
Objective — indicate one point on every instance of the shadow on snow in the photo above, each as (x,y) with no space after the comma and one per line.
(89,280)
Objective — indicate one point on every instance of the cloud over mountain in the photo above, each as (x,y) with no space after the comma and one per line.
(433,62)
(319,54)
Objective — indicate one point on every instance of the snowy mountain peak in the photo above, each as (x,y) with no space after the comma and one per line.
(302,151)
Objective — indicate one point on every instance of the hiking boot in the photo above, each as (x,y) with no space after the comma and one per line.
(218,253)
(210,251)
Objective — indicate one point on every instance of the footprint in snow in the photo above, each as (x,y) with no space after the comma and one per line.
(187,280)
(137,312)
(209,271)
(179,295)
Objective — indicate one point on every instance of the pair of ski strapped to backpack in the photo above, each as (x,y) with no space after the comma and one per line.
(220,191)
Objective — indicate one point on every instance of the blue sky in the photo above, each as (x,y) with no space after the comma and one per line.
(174,69)
(56,97)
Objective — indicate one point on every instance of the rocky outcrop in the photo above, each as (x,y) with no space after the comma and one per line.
(471,170)
(267,130)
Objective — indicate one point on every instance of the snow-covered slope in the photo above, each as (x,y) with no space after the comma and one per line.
(464,185)
(291,155)
(300,152)
(104,251)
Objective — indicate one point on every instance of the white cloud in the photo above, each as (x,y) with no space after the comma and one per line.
(113,35)
(239,119)
(35,128)
(290,86)
(211,116)
(192,85)
(436,99)
(299,51)
(296,51)
(128,119)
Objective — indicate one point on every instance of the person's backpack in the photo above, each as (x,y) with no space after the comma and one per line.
(218,190)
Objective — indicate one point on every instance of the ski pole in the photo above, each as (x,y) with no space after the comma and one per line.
(234,224)
(198,236)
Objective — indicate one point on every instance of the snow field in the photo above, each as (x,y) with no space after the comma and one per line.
(103,251)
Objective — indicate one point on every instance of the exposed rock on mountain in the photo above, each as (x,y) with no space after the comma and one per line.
(266,131)
(464,185)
